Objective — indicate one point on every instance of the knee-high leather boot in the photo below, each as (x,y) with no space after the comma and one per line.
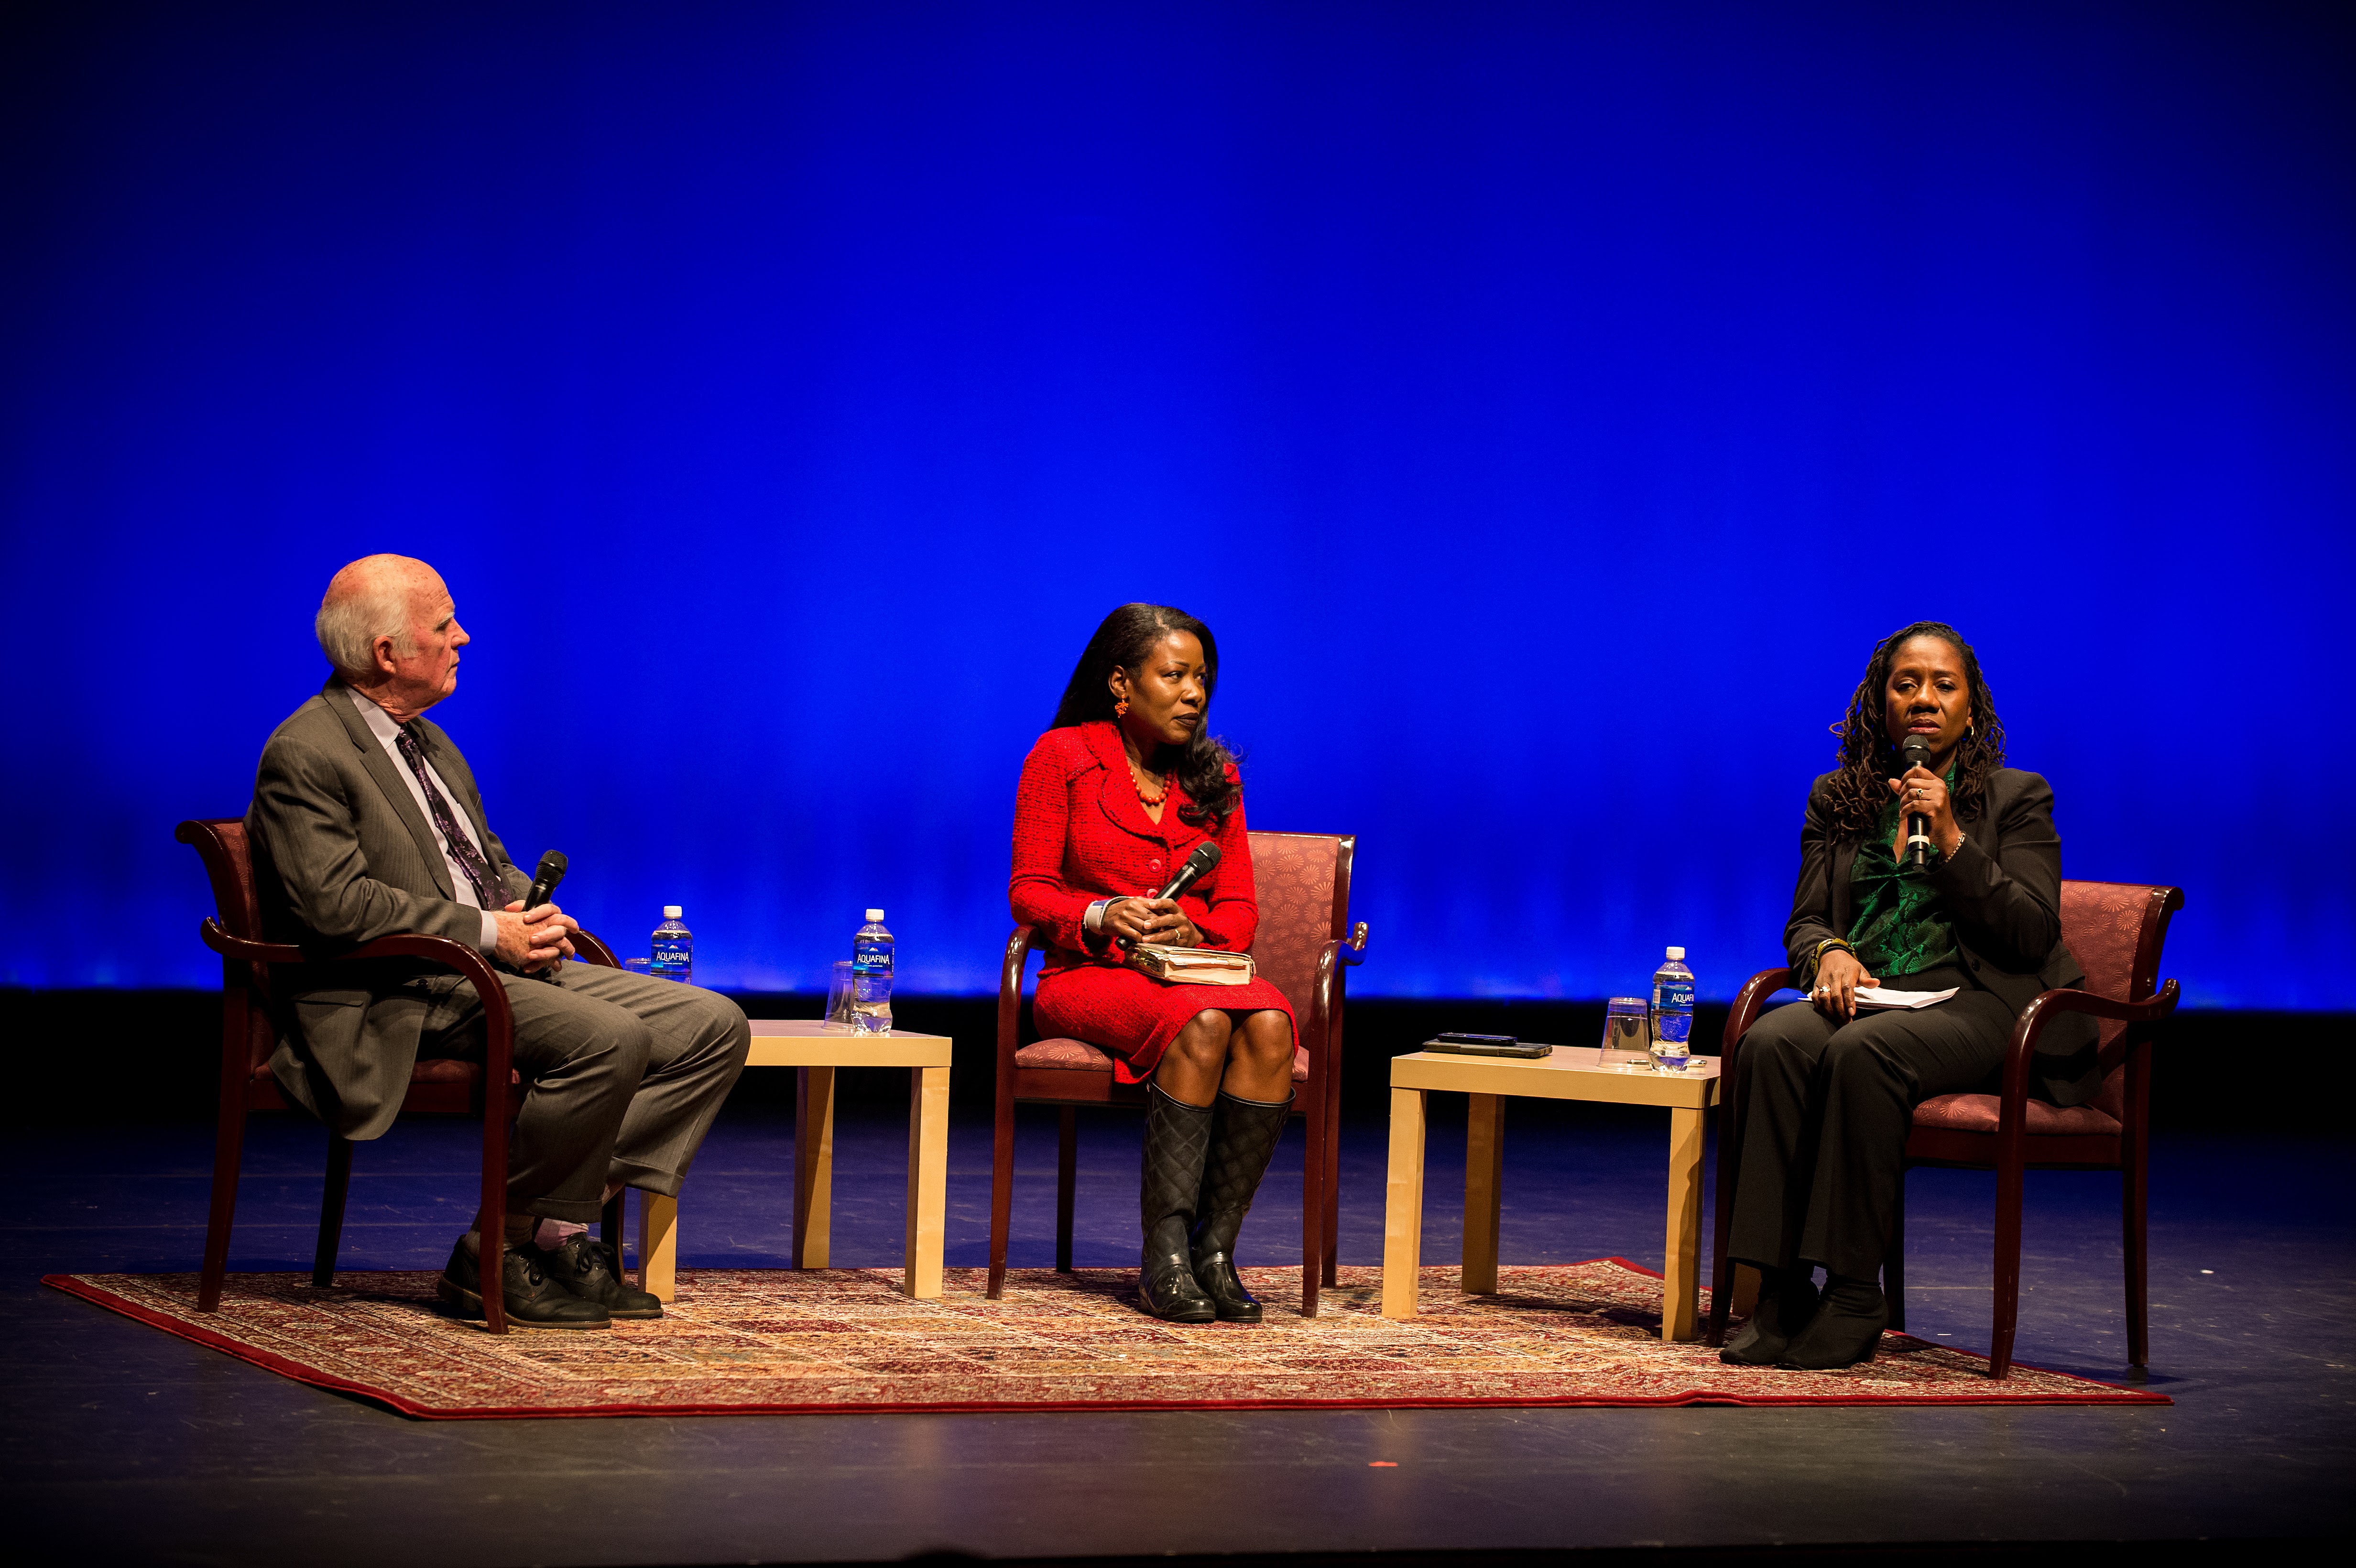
(1243,1136)
(1176,1136)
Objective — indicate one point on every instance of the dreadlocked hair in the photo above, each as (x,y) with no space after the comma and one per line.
(1867,759)
(1125,640)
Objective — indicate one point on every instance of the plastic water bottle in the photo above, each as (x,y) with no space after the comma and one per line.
(871,976)
(1673,998)
(674,951)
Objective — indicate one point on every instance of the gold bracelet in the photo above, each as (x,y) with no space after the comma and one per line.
(1817,959)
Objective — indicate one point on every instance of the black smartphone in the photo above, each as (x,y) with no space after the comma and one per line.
(1485,1045)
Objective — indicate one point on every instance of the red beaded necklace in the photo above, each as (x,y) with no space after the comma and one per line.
(1136,782)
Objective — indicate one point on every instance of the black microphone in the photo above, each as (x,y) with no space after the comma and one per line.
(544,880)
(1916,753)
(1198,866)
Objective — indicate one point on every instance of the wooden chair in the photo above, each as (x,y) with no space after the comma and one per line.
(2116,929)
(249,1035)
(1304,943)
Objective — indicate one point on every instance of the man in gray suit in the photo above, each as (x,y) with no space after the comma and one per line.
(366,821)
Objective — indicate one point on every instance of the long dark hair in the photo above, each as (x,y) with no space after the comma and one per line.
(1127,637)
(1860,793)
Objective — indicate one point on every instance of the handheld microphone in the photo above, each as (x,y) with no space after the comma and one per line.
(1916,753)
(544,880)
(1198,866)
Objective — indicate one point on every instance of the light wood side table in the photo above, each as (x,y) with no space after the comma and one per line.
(814,1053)
(1572,1072)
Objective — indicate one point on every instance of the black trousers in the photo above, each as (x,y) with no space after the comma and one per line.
(1825,1109)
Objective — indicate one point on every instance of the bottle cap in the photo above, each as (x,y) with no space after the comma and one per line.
(670,911)
(876,915)
(1678,954)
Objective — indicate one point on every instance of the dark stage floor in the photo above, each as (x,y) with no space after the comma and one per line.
(128,1444)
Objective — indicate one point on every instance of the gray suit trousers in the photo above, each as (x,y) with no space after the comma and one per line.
(622,1076)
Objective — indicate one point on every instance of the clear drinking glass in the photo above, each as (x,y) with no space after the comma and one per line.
(841,989)
(1625,1032)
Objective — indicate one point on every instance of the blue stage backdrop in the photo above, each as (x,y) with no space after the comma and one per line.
(1546,405)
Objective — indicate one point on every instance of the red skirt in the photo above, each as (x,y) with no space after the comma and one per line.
(1134,1016)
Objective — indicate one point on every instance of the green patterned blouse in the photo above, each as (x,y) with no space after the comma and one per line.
(1903,926)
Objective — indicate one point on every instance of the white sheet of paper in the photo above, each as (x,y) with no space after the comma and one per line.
(1882,996)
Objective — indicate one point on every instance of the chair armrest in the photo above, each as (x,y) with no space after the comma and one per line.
(440,950)
(589,950)
(2011,1111)
(1748,1004)
(1332,959)
(499,1018)
(1010,997)
(1337,955)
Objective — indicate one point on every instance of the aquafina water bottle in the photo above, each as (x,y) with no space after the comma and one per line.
(1673,999)
(674,948)
(871,976)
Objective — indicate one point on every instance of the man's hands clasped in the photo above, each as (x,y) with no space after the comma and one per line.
(534,940)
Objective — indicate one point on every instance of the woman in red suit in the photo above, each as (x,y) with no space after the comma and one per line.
(1113,800)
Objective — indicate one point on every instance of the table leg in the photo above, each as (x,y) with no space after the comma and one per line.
(813,1163)
(1403,1205)
(1746,1289)
(1681,1265)
(659,1246)
(929,1171)
(1484,1170)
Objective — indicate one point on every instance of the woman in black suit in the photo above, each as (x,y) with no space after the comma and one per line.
(1825,1092)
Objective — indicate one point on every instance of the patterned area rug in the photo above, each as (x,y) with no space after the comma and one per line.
(773,1341)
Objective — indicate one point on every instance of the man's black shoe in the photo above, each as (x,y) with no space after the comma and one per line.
(584,1267)
(532,1299)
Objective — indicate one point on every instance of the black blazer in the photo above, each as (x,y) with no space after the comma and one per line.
(2003,889)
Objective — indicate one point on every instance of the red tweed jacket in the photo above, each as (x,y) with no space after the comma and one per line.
(1080,834)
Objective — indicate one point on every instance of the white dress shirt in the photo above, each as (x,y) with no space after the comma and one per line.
(381,726)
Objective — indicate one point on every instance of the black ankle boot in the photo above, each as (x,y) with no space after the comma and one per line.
(1845,1330)
(1787,1299)
(1176,1136)
(1243,1137)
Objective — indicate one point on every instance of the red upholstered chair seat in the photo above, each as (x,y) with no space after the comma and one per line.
(429,1069)
(1977,1114)
(445,1070)
(1079,1056)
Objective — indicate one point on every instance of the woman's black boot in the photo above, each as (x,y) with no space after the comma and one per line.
(1176,1135)
(1845,1330)
(1787,1299)
(1243,1136)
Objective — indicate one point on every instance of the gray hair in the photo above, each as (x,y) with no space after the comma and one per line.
(359,606)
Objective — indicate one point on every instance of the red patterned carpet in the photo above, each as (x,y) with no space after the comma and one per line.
(765,1340)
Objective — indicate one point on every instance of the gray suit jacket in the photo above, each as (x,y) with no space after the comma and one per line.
(2003,889)
(342,856)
